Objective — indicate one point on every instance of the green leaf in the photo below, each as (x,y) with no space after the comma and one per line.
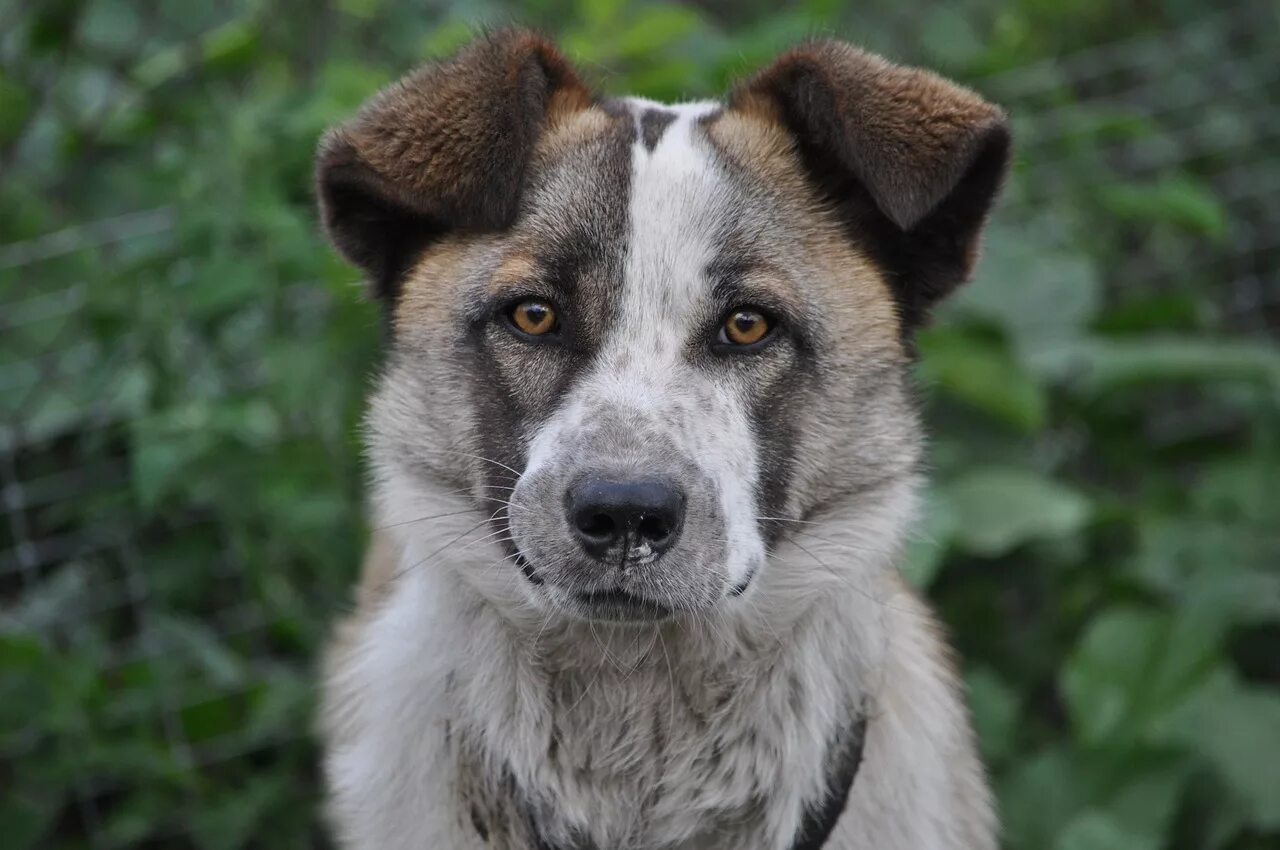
(1039,796)
(1101,364)
(598,14)
(24,821)
(1242,739)
(1089,797)
(1042,296)
(1180,200)
(1094,830)
(982,373)
(165,451)
(195,644)
(443,40)
(947,35)
(1132,669)
(231,45)
(363,9)
(15,106)
(1222,565)
(238,815)
(994,704)
(656,28)
(998,509)
(1236,729)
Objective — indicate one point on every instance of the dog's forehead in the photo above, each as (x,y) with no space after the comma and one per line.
(680,203)
(657,212)
(629,160)
(628,205)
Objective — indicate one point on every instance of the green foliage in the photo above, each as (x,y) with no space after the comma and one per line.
(180,387)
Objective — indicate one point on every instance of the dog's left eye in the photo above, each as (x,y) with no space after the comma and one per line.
(745,327)
(533,316)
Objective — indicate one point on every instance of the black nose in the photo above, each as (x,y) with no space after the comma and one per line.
(605,513)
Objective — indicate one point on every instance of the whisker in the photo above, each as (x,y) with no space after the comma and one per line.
(844,580)
(422,519)
(447,545)
(506,502)
(497,463)
(546,619)
(671,675)
(789,519)
(587,689)
(852,547)
(607,656)
(458,492)
(765,620)
(435,552)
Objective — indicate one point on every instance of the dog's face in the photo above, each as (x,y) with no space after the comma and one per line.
(648,339)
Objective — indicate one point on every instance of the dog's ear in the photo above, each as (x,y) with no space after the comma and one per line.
(912,161)
(443,149)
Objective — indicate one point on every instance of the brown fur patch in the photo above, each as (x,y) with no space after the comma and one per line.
(515,269)
(444,148)
(427,302)
(753,141)
(911,161)
(906,133)
(571,133)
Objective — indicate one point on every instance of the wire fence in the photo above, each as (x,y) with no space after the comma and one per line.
(1144,112)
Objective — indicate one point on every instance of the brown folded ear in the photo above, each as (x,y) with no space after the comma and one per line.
(912,161)
(443,149)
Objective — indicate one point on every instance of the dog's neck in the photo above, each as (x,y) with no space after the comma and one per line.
(596,733)
(571,734)
(578,726)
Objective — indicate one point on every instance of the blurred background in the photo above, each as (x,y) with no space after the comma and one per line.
(182,363)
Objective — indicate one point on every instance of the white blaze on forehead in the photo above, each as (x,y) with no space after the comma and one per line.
(679,199)
(678,202)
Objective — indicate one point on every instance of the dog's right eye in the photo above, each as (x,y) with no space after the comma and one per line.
(533,317)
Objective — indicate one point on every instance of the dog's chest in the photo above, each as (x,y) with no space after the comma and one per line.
(637,758)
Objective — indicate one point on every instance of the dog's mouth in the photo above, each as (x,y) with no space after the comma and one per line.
(618,605)
(611,605)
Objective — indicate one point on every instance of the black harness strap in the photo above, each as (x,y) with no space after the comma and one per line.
(820,821)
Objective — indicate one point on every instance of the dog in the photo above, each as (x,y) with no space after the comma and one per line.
(644,455)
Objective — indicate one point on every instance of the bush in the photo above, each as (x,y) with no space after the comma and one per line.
(184,364)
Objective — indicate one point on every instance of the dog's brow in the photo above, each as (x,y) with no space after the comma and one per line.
(747,280)
(555,271)
(515,270)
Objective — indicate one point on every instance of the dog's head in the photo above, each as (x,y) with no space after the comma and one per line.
(646,340)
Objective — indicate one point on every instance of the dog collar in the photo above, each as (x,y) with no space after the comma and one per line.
(844,760)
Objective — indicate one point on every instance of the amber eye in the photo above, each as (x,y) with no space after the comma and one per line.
(745,327)
(534,317)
